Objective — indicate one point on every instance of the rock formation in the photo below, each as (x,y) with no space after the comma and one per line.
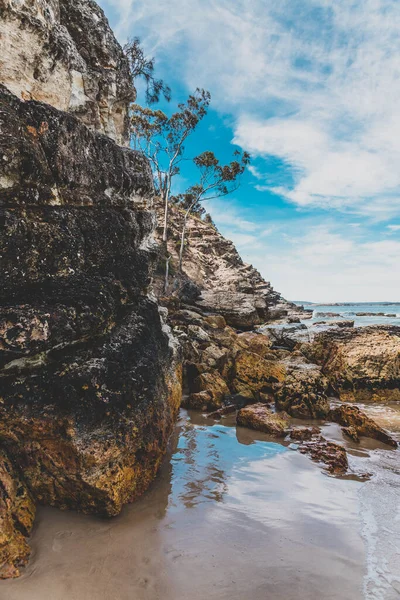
(90,372)
(226,285)
(90,375)
(361,363)
(261,418)
(64,53)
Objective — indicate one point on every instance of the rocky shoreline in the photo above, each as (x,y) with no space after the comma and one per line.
(95,359)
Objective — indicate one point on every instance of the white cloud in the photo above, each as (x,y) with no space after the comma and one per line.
(227,215)
(323,265)
(314,82)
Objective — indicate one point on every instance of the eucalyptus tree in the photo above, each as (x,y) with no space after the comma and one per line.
(140,66)
(162,139)
(215,181)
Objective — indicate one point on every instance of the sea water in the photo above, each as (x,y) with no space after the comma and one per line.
(349,310)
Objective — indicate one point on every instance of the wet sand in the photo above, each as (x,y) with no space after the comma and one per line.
(232,515)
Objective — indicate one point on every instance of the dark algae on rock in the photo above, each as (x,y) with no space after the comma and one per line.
(90,376)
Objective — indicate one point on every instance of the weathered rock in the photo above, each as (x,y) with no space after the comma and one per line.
(355,423)
(303,434)
(221,412)
(240,310)
(261,418)
(286,336)
(259,374)
(199,401)
(227,285)
(328,453)
(361,363)
(89,374)
(64,53)
(304,392)
(256,343)
(213,384)
(17,512)
(49,158)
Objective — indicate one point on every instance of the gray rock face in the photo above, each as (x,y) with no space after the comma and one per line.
(64,53)
(228,286)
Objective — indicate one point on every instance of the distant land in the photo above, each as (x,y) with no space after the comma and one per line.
(306,302)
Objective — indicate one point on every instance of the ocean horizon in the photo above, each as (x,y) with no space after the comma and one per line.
(375,313)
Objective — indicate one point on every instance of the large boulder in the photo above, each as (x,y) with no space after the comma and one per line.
(304,392)
(90,374)
(355,423)
(210,391)
(261,418)
(361,363)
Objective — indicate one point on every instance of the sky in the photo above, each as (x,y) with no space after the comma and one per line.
(311,88)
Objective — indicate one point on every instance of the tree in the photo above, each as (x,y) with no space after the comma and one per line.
(162,139)
(215,181)
(141,66)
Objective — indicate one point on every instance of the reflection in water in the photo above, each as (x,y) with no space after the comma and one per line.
(205,460)
(233,515)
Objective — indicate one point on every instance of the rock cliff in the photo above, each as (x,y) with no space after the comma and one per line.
(90,375)
(64,53)
(226,285)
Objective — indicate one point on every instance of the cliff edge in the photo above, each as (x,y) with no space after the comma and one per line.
(90,375)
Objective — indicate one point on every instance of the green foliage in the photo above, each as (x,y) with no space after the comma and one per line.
(141,66)
(162,138)
(215,180)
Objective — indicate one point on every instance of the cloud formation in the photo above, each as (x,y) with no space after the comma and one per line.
(313,82)
(316,85)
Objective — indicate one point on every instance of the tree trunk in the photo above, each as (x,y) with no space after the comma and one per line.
(165,217)
(166,284)
(182,243)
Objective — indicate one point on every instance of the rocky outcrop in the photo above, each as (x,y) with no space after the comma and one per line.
(361,363)
(304,392)
(90,377)
(226,285)
(355,424)
(261,418)
(330,454)
(64,53)
(17,512)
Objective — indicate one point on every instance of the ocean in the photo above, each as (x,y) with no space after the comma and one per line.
(349,310)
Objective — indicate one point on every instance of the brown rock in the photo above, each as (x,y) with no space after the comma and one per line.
(256,343)
(301,434)
(304,392)
(261,418)
(329,453)
(361,363)
(259,374)
(356,424)
(198,401)
(214,385)
(226,410)
(17,513)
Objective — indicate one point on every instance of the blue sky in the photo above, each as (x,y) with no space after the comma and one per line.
(311,88)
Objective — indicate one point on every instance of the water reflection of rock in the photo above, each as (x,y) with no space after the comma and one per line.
(196,467)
